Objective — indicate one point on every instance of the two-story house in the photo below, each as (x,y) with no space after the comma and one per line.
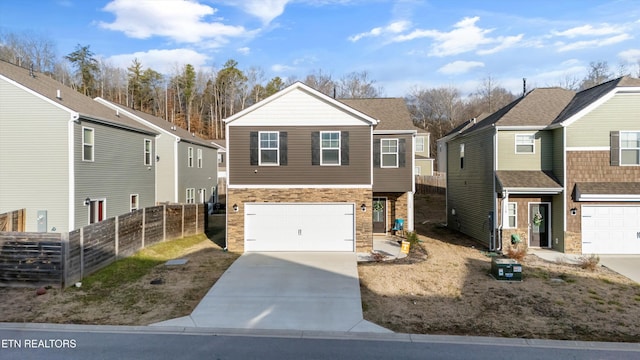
(307,172)
(186,165)
(68,160)
(555,169)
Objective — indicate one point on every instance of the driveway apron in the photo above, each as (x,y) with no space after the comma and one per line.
(625,265)
(285,290)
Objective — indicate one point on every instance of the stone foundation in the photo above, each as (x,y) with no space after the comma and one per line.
(572,243)
(235,220)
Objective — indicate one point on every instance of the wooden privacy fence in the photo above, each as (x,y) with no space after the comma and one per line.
(435,184)
(62,259)
(13,220)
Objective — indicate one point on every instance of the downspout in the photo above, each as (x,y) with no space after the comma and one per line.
(73,119)
(226,180)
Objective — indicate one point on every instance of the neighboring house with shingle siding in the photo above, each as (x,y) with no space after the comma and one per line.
(307,172)
(558,169)
(67,159)
(186,164)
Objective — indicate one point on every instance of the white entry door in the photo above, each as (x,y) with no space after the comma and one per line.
(611,229)
(299,227)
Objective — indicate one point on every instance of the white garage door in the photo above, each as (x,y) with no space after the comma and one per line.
(611,229)
(299,227)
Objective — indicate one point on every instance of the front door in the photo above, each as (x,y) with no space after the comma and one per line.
(539,225)
(379,215)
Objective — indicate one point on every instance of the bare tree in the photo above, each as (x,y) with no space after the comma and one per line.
(319,81)
(358,85)
(598,73)
(29,48)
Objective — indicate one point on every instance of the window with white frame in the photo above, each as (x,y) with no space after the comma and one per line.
(87,144)
(630,148)
(419,144)
(512,213)
(330,148)
(268,148)
(133,203)
(525,143)
(200,158)
(191,196)
(389,153)
(147,152)
(461,156)
(418,170)
(190,157)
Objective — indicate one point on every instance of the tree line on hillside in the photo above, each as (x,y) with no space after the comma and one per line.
(199,99)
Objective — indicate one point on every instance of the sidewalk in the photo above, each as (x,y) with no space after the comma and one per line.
(387,245)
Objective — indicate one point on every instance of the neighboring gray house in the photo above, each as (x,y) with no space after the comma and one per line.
(222,170)
(67,159)
(186,165)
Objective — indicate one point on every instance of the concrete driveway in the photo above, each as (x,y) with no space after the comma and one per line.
(625,265)
(285,291)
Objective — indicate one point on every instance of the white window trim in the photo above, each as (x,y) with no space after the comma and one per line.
(418,170)
(382,153)
(462,156)
(200,162)
(93,144)
(533,144)
(514,215)
(190,196)
(137,197)
(418,140)
(621,148)
(277,148)
(150,157)
(190,157)
(331,148)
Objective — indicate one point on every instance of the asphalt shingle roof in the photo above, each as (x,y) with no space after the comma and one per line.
(69,98)
(609,188)
(527,179)
(392,113)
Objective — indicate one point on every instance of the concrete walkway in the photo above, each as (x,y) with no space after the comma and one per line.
(625,265)
(284,291)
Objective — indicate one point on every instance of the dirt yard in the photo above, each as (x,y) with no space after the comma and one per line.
(125,295)
(444,287)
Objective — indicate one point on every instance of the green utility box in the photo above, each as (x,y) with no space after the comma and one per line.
(506,269)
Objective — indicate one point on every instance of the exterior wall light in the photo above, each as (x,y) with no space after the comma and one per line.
(87,202)
(363,207)
(235,207)
(574,211)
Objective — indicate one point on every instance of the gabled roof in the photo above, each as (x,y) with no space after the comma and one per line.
(299,86)
(391,113)
(159,123)
(220,143)
(528,182)
(589,96)
(69,99)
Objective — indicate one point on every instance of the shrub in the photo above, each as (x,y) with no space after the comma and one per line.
(517,252)
(412,238)
(589,262)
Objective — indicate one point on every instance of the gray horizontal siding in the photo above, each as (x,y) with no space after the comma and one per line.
(194,177)
(542,159)
(398,179)
(299,170)
(118,170)
(34,165)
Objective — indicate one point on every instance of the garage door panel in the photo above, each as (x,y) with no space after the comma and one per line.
(299,227)
(611,229)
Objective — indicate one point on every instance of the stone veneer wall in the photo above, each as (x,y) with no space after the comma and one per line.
(590,166)
(235,220)
(396,207)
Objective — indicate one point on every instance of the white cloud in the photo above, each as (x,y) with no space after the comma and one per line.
(181,21)
(459,67)
(562,46)
(162,61)
(279,68)
(465,37)
(631,55)
(393,28)
(265,10)
(588,30)
(244,50)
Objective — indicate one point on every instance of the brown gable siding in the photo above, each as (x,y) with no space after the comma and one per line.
(299,169)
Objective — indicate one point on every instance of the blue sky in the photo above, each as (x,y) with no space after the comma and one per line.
(402,44)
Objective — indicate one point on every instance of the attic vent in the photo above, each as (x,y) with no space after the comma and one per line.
(173,128)
(117,113)
(58,95)
(193,134)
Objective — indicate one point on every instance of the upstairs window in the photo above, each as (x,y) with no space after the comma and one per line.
(419,144)
(147,152)
(630,148)
(87,144)
(200,158)
(268,148)
(461,156)
(330,148)
(389,153)
(190,157)
(525,143)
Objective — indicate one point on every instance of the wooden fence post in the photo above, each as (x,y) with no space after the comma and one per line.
(82,252)
(66,263)
(164,222)
(144,225)
(182,221)
(117,236)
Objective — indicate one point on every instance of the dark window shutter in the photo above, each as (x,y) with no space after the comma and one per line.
(376,153)
(402,152)
(283,148)
(614,139)
(344,148)
(315,148)
(253,147)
